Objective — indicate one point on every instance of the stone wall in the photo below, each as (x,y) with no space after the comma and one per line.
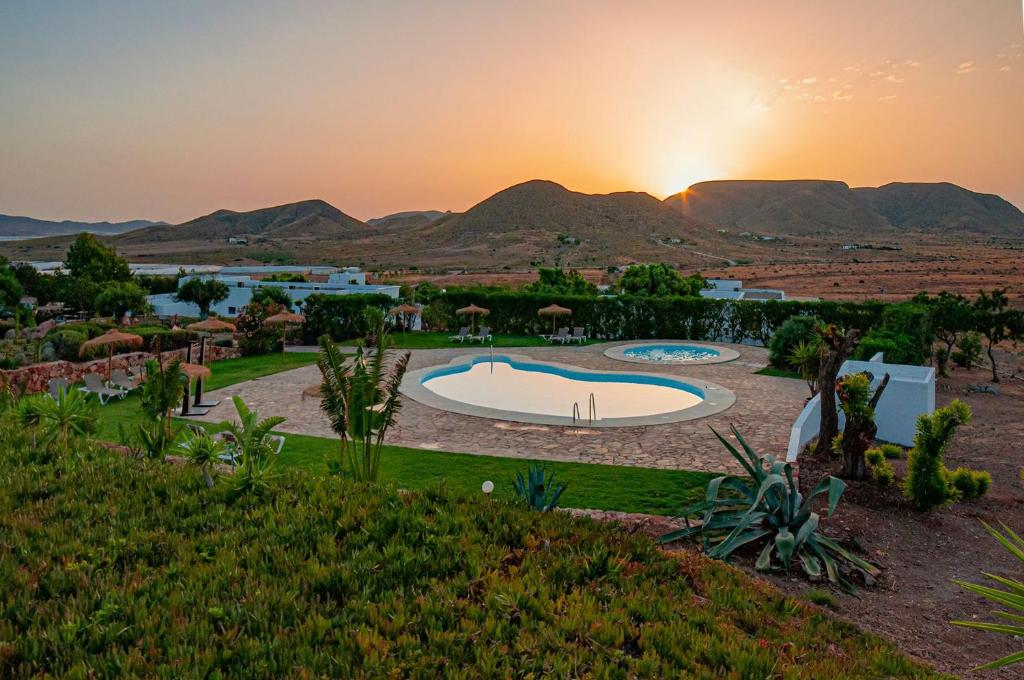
(36,377)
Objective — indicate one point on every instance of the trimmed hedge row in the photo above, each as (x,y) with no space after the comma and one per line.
(114,567)
(627,317)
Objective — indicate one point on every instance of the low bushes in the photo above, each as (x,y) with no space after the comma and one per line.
(929,483)
(795,330)
(118,567)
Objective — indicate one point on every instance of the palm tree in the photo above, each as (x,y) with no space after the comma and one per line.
(71,416)
(361,399)
(204,451)
(29,413)
(161,392)
(806,358)
(253,446)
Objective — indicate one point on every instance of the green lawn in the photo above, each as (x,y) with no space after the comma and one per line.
(432,340)
(779,373)
(604,487)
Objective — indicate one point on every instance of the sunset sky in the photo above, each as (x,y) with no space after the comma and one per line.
(170,110)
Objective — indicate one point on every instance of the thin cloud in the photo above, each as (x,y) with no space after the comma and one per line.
(841,96)
(911,63)
(1005,68)
(887,98)
(892,78)
(809,81)
(965,67)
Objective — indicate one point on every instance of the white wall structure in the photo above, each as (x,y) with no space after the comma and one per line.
(910,393)
(242,285)
(732,289)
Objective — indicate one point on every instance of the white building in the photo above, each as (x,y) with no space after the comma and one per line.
(243,281)
(732,289)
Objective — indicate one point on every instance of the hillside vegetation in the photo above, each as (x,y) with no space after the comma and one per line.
(117,567)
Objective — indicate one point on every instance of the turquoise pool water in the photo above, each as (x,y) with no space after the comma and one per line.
(673,353)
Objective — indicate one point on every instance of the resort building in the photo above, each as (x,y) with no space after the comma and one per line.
(732,289)
(244,280)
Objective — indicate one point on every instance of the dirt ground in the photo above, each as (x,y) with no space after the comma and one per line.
(920,553)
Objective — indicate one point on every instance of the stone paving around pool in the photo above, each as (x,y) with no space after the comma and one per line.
(765,409)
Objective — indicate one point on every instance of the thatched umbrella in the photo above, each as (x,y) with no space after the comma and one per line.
(196,371)
(473,310)
(111,339)
(402,310)
(284,319)
(207,328)
(553,311)
(211,325)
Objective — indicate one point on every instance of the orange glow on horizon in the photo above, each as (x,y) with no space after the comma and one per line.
(377,109)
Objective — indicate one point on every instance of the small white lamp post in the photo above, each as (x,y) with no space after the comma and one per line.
(487,487)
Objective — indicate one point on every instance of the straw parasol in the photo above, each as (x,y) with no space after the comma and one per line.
(194,371)
(473,310)
(402,310)
(553,311)
(111,339)
(211,325)
(284,319)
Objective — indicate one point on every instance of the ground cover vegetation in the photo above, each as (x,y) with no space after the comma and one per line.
(115,566)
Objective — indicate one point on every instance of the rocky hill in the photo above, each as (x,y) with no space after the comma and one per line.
(819,207)
(407,220)
(30,227)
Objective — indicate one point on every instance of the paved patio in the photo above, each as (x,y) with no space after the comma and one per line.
(765,409)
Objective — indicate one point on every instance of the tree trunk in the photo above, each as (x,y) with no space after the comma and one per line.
(840,349)
(858,436)
(992,359)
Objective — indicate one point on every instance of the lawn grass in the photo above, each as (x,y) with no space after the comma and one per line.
(437,340)
(602,487)
(778,373)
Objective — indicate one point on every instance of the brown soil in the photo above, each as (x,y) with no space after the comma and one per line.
(920,553)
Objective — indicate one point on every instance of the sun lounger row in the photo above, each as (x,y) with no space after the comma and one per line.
(563,336)
(484,335)
(119,385)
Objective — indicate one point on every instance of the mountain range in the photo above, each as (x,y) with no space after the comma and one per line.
(543,222)
(30,227)
(820,206)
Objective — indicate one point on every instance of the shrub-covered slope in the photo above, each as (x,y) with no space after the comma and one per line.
(113,567)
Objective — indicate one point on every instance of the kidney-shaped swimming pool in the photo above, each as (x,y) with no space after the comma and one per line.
(518,388)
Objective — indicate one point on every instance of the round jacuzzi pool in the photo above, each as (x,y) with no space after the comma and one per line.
(671,352)
(518,388)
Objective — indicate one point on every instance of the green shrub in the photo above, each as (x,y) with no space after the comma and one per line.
(67,343)
(134,568)
(881,469)
(898,348)
(820,597)
(969,351)
(796,330)
(928,481)
(970,483)
(892,451)
(341,316)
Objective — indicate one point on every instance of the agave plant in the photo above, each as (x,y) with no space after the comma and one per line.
(768,507)
(29,413)
(1012,598)
(361,398)
(253,447)
(537,489)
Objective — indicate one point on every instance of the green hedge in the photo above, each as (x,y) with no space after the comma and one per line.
(115,567)
(627,317)
(340,316)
